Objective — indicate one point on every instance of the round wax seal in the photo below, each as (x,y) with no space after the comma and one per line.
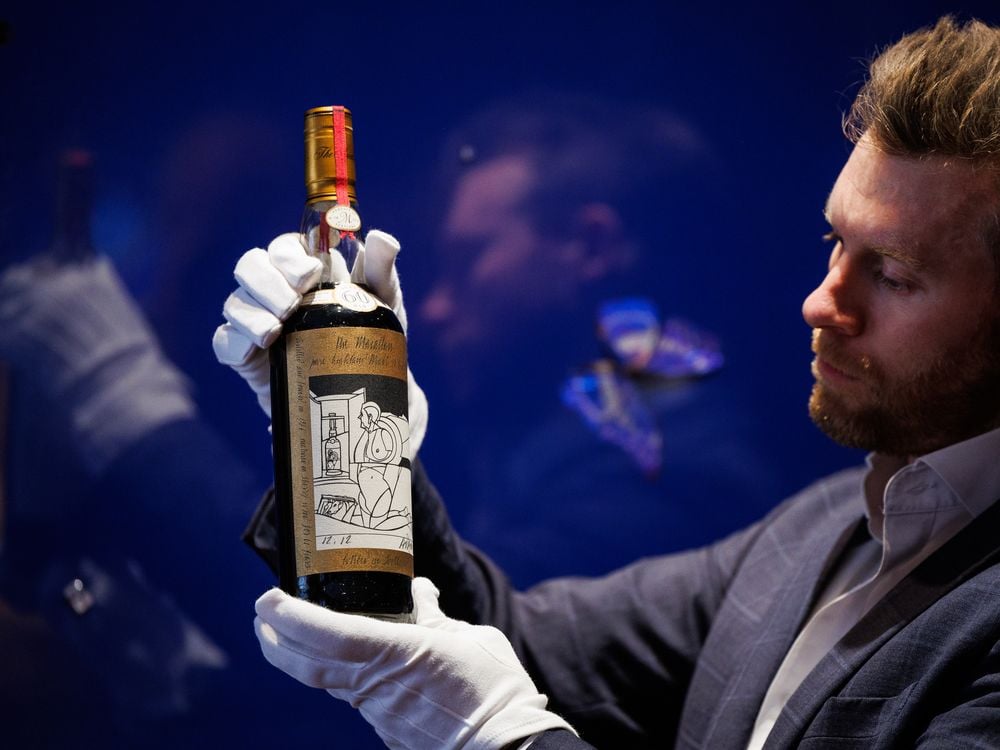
(343,218)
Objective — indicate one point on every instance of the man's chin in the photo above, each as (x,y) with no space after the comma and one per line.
(906,432)
(851,427)
(834,426)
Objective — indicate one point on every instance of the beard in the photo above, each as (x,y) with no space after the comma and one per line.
(953,397)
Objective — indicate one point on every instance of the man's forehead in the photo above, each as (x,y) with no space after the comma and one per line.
(912,204)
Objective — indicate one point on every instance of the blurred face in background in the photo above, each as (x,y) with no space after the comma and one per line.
(498,275)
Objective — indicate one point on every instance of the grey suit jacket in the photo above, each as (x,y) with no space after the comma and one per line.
(679,650)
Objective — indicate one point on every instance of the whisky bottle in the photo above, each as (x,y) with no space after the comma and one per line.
(342,493)
(72,240)
(25,450)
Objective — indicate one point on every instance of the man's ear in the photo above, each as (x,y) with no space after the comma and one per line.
(602,244)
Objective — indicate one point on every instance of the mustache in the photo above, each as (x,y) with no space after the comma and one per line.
(833,353)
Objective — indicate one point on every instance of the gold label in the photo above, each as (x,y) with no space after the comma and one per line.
(350,450)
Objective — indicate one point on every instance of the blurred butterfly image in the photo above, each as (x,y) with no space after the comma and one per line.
(640,352)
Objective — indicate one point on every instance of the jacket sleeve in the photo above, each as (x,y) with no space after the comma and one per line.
(559,739)
(974,718)
(614,654)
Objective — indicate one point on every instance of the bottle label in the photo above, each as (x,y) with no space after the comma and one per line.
(350,450)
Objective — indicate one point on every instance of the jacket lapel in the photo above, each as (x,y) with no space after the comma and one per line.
(971,550)
(762,614)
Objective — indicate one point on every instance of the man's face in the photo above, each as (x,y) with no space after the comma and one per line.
(905,323)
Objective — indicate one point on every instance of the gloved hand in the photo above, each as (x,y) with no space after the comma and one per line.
(436,684)
(77,334)
(272,283)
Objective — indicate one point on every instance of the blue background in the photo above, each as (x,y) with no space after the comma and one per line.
(194,113)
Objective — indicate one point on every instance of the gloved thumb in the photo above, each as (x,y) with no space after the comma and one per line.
(426,610)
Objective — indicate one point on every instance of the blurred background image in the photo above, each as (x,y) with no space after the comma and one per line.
(555,173)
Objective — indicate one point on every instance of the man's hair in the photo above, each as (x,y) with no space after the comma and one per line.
(934,92)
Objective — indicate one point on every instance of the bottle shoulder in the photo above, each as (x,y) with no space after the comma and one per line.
(322,312)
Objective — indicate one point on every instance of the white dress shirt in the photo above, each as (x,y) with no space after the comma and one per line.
(912,510)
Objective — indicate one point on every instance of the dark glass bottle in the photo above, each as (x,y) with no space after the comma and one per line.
(345,536)
(24,461)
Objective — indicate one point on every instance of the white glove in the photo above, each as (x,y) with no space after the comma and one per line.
(433,685)
(75,331)
(272,283)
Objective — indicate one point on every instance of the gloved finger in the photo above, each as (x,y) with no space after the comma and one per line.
(287,254)
(20,277)
(18,287)
(231,347)
(286,655)
(251,319)
(427,611)
(381,250)
(264,399)
(248,360)
(400,311)
(256,371)
(265,283)
(333,635)
(337,267)
(400,732)
(358,269)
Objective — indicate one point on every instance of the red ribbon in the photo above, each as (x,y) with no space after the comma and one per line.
(340,159)
(340,153)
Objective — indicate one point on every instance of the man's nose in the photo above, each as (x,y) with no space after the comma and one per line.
(834,304)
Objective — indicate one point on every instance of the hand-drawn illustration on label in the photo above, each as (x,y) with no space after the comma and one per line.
(351,479)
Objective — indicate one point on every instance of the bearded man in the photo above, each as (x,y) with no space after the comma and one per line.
(862,612)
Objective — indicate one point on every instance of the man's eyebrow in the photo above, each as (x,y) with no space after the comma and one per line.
(888,251)
(907,259)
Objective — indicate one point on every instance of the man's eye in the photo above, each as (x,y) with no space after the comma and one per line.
(831,237)
(892,283)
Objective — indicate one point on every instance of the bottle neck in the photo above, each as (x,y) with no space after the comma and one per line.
(72,238)
(337,248)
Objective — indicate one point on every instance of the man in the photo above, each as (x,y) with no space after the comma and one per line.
(863,611)
(553,201)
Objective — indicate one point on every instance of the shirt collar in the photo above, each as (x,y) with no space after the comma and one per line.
(971,469)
